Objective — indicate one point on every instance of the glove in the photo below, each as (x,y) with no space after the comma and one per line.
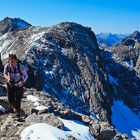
(20,84)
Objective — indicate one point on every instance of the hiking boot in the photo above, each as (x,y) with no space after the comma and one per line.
(16,115)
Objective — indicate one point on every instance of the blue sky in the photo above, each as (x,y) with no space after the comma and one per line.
(116,16)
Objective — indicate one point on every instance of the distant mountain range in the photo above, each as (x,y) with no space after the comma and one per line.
(109,39)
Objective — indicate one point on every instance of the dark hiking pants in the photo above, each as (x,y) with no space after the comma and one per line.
(14,95)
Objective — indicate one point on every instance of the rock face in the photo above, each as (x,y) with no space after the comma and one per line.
(62,66)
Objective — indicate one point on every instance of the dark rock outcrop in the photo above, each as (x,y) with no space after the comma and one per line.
(102,131)
(8,107)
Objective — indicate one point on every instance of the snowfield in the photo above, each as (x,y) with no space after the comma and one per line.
(125,120)
(42,131)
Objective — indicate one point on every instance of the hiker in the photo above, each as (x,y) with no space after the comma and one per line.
(15,75)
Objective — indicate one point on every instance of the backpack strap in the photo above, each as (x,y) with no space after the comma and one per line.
(19,70)
(9,69)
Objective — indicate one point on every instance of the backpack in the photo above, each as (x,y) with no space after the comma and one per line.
(18,67)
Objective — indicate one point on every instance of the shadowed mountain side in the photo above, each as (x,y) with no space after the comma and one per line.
(125,82)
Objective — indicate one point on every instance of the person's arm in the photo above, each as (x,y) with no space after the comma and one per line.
(5,73)
(24,72)
(24,75)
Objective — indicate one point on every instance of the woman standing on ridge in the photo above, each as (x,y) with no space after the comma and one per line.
(15,75)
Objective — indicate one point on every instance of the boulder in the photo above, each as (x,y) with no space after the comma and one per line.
(102,131)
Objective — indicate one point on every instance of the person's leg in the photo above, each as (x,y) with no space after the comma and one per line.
(11,95)
(19,94)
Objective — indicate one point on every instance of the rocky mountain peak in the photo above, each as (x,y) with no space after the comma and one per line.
(11,24)
(73,32)
(135,35)
(131,40)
